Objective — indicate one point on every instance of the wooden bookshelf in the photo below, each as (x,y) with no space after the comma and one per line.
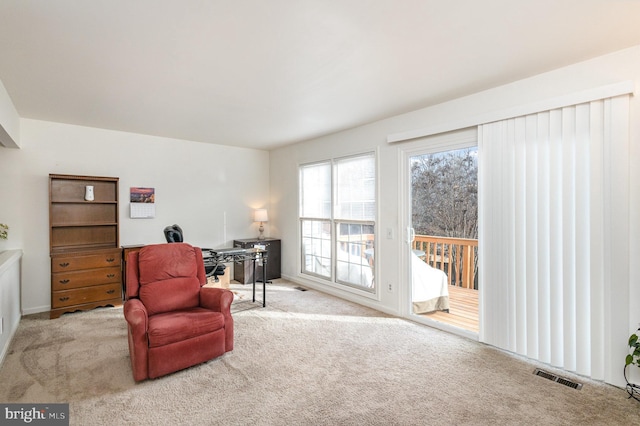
(84,243)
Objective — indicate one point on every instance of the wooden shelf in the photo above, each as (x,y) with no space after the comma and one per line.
(83,202)
(79,248)
(76,224)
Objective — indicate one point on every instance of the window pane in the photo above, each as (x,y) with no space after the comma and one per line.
(315,190)
(355,188)
(339,250)
(354,254)
(316,247)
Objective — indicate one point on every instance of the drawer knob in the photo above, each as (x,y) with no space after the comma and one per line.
(64,299)
(64,264)
(111,259)
(111,275)
(111,291)
(64,281)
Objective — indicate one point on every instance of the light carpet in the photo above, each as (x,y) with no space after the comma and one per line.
(305,359)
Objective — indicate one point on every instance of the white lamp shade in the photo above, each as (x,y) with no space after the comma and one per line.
(260,215)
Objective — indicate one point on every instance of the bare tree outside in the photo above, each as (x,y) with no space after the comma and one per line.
(445,205)
(445,194)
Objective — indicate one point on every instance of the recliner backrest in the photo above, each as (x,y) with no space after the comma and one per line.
(169,277)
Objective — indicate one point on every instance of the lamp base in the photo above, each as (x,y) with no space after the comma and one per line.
(261,229)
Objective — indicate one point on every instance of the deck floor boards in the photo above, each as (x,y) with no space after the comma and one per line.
(463,309)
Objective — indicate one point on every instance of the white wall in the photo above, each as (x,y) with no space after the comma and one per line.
(602,71)
(9,120)
(209,190)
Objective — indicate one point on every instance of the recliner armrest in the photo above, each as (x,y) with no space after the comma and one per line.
(136,315)
(219,299)
(138,319)
(216,299)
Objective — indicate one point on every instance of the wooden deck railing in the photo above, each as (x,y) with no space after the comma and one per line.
(456,257)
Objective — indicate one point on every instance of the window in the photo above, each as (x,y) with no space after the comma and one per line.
(337,220)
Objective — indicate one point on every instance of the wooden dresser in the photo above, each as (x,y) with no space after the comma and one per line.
(84,243)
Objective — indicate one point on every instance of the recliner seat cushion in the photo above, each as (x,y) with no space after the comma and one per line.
(181,325)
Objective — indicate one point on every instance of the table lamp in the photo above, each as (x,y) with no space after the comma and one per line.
(260,215)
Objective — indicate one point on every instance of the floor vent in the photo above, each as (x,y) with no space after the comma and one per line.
(300,288)
(557,379)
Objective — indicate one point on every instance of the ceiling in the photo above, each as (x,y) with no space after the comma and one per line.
(263,74)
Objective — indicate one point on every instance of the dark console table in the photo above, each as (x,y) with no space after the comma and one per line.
(243,272)
(215,257)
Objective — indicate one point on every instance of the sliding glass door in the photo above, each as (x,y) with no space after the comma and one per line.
(444,246)
(439,211)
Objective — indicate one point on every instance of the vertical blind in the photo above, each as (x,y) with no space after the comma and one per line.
(554,236)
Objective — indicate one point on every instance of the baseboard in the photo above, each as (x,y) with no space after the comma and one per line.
(36,310)
(368,300)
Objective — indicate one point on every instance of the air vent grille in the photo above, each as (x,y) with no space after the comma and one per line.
(557,379)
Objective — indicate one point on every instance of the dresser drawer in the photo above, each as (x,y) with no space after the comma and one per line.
(92,261)
(60,299)
(87,278)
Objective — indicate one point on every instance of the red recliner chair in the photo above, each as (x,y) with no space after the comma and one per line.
(174,322)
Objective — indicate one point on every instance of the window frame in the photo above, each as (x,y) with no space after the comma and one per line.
(333,280)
